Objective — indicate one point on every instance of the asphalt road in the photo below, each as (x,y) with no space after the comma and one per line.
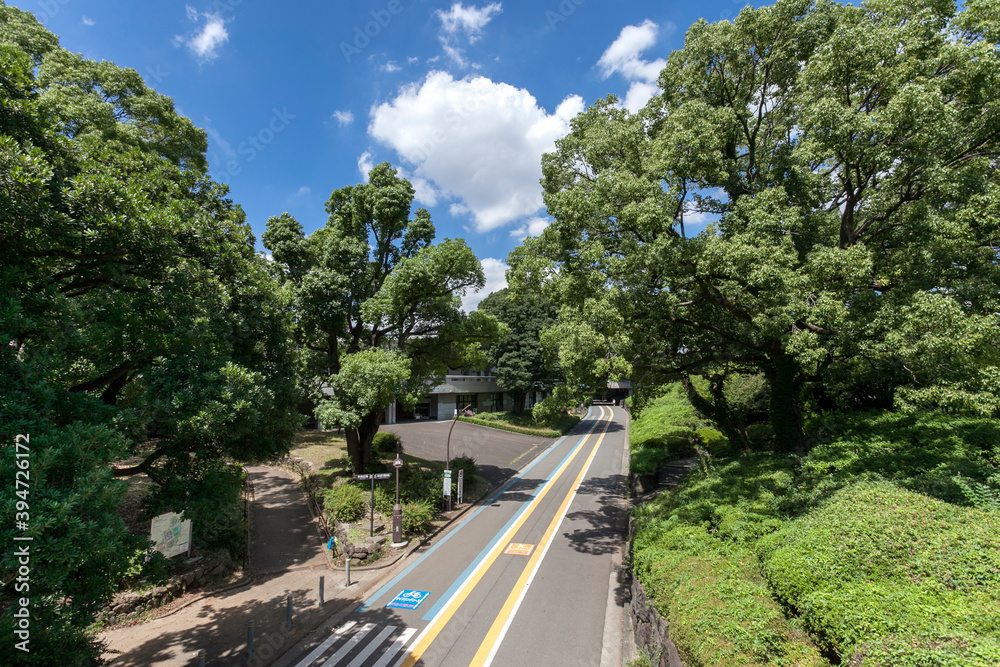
(526,578)
(498,454)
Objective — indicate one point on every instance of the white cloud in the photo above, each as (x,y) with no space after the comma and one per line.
(365,164)
(495,271)
(391,66)
(87,21)
(412,60)
(470,20)
(304,190)
(218,141)
(205,42)
(477,141)
(343,118)
(533,227)
(624,57)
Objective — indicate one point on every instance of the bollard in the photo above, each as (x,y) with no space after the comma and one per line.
(250,640)
(201,658)
(322,580)
(347,569)
(288,613)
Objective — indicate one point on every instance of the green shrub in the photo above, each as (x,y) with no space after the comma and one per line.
(344,502)
(719,609)
(384,444)
(385,498)
(417,517)
(877,565)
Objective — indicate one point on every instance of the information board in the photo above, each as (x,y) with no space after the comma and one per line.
(170,534)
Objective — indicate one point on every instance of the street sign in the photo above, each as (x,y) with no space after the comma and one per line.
(398,463)
(447,483)
(408,599)
(372,476)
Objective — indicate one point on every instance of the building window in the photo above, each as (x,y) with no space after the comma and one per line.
(494,403)
(472,400)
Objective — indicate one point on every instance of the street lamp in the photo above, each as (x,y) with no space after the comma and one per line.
(447,460)
(397,509)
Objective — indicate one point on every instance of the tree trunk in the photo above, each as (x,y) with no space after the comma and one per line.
(359,440)
(785,411)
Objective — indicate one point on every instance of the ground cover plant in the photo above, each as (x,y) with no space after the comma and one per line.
(869,549)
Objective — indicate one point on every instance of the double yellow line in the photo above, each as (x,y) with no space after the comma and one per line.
(500,624)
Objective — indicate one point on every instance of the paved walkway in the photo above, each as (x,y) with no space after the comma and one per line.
(218,624)
(284,533)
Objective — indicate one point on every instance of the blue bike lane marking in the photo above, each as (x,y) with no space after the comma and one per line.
(367,604)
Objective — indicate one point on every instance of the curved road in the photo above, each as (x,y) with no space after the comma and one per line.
(527,578)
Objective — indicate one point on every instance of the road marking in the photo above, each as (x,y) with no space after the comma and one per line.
(399,577)
(491,643)
(523,454)
(517,549)
(391,652)
(349,646)
(430,632)
(408,599)
(372,645)
(327,643)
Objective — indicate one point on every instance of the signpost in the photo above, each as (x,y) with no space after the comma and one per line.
(461,484)
(447,487)
(372,476)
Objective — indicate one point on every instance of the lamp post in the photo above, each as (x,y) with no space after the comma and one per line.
(397,509)
(447,460)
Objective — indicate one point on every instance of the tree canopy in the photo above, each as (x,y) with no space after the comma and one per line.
(845,161)
(376,303)
(518,356)
(140,331)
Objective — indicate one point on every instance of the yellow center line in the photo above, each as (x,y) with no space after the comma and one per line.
(434,628)
(491,642)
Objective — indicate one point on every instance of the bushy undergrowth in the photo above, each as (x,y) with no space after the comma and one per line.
(668,428)
(870,542)
(344,502)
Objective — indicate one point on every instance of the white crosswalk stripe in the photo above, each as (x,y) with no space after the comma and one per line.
(358,644)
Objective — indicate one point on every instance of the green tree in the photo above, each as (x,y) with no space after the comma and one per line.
(846,158)
(518,356)
(376,303)
(137,324)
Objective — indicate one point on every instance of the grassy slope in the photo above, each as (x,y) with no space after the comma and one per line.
(861,551)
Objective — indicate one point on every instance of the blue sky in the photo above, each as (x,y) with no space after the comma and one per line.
(298,98)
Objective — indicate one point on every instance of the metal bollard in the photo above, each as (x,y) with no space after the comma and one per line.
(322,580)
(288,613)
(201,658)
(347,569)
(250,640)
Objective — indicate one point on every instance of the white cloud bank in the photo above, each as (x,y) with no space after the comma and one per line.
(495,271)
(205,42)
(476,141)
(624,57)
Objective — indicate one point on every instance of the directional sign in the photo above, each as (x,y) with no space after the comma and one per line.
(447,482)
(408,599)
(376,475)
(398,463)
(516,549)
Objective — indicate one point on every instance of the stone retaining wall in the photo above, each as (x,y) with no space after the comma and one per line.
(129,604)
(651,631)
